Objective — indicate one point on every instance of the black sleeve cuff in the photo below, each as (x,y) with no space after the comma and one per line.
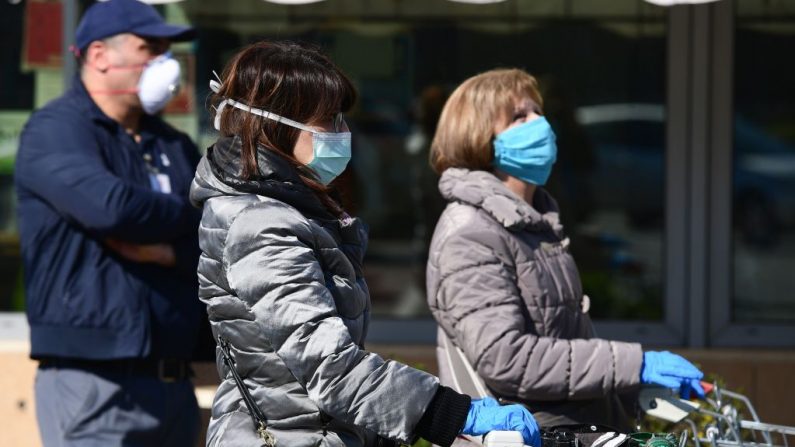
(444,418)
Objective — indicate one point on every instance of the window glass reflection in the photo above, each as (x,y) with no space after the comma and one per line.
(602,76)
(764,163)
(601,66)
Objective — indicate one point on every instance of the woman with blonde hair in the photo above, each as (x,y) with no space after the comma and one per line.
(501,282)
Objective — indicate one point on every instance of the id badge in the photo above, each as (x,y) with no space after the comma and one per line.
(160,182)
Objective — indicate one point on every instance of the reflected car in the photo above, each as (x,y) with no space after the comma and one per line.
(629,146)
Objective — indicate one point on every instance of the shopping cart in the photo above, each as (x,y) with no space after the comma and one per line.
(734,421)
(729,426)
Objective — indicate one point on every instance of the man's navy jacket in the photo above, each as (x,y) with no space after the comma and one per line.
(81,179)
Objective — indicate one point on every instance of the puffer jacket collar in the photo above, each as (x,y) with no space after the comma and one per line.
(219,173)
(483,190)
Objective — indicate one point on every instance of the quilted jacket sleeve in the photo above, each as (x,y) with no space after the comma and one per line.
(272,265)
(484,314)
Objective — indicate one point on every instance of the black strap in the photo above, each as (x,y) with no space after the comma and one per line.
(166,370)
(257,416)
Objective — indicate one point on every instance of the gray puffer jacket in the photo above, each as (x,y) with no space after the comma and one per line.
(282,280)
(504,288)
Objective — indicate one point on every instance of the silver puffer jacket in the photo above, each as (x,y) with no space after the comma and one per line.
(504,288)
(282,280)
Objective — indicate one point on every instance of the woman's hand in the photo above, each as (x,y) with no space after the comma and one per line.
(487,415)
(672,371)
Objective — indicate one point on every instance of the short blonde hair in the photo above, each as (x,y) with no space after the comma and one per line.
(466,126)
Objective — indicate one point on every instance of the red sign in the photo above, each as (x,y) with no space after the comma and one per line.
(43,34)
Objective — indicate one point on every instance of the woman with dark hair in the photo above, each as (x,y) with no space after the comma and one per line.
(281,274)
(513,319)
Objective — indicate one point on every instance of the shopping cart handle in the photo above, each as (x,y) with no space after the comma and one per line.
(504,439)
(708,387)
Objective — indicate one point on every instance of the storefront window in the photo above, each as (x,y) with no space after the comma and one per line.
(601,66)
(764,163)
(602,71)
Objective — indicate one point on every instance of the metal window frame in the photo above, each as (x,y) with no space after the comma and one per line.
(676,167)
(697,176)
(69,25)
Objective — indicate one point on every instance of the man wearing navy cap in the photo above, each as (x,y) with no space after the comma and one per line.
(109,241)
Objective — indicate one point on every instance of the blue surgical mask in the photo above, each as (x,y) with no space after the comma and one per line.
(527,151)
(331,150)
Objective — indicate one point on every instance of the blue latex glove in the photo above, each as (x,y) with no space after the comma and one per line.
(487,415)
(672,371)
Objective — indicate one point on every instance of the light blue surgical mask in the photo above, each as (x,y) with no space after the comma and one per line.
(331,150)
(527,151)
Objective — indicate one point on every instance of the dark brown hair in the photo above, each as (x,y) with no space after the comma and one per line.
(465,131)
(292,80)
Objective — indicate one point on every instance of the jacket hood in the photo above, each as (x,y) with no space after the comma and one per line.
(483,190)
(220,174)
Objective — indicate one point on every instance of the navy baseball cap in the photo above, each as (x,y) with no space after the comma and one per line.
(108,18)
